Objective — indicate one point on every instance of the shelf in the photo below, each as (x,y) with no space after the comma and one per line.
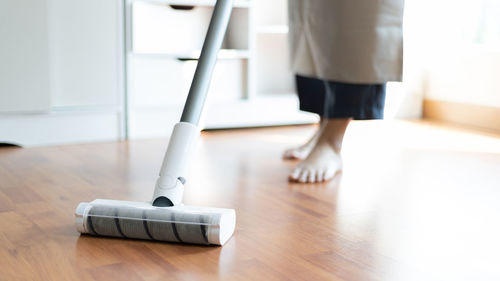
(209,3)
(272,29)
(224,54)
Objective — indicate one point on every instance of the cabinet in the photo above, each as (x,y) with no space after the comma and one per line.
(61,78)
(24,79)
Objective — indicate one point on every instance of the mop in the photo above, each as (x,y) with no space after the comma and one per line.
(165,218)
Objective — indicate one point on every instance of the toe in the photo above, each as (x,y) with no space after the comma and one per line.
(312,177)
(304,176)
(294,176)
(329,174)
(291,154)
(320,176)
(287,154)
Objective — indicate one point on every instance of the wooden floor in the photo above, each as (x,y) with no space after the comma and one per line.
(416,201)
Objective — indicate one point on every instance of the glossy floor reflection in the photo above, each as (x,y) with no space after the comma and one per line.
(416,201)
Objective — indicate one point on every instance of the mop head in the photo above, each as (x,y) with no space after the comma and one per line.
(185,224)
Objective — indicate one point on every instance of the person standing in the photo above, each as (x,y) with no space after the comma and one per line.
(343,52)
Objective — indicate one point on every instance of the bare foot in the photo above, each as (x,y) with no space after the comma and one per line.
(324,161)
(320,165)
(301,152)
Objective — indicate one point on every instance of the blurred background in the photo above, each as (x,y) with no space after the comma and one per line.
(86,71)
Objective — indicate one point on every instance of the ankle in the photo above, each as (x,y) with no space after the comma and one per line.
(333,133)
(332,143)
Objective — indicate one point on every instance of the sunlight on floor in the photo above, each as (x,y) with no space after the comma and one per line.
(421,135)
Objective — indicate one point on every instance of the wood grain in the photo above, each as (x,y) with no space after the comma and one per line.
(416,201)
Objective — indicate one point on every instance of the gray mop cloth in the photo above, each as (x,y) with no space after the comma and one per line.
(153,224)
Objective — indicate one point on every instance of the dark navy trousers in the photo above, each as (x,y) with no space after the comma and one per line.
(332,99)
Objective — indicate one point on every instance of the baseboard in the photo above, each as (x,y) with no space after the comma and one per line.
(485,117)
(60,128)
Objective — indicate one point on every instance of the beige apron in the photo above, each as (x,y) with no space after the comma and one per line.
(352,41)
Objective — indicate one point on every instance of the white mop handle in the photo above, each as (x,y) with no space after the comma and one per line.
(173,172)
(206,63)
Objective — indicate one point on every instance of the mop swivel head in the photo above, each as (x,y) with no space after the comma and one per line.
(165,218)
(185,224)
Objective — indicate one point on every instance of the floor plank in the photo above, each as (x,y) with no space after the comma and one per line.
(415,201)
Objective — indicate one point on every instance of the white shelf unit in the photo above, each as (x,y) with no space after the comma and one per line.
(251,84)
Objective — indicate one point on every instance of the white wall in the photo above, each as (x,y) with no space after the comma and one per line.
(465,75)
(462,51)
